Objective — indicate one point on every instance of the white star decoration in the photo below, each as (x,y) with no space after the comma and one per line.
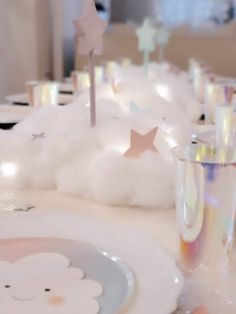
(147,36)
(162,36)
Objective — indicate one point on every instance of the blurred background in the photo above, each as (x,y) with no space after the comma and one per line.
(37,37)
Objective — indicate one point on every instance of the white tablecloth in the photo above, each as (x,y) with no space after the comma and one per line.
(158,225)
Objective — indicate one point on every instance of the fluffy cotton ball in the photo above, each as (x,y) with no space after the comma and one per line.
(141,182)
(85,162)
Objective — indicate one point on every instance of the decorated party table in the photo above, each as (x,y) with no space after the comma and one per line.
(117,187)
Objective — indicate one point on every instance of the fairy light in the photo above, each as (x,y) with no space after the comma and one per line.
(8,169)
(163,91)
(171,142)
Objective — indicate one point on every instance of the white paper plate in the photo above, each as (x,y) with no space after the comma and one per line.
(13,114)
(66,88)
(23,99)
(203,133)
(158,282)
(110,271)
(208,137)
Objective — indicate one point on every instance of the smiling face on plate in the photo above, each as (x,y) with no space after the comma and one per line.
(45,283)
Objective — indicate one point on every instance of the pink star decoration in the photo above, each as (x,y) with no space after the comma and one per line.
(141,143)
(90,29)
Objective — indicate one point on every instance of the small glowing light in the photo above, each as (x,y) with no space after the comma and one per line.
(120,148)
(105,253)
(171,142)
(8,169)
(163,91)
(87,105)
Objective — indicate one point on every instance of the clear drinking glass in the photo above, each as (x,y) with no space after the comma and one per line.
(206,204)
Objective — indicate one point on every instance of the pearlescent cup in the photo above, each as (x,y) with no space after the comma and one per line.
(30,90)
(46,94)
(214,95)
(125,62)
(80,80)
(224,125)
(206,205)
(111,68)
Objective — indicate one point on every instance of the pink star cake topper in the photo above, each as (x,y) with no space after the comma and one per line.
(141,143)
(90,29)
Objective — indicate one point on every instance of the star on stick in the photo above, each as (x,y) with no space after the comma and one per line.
(141,143)
(162,39)
(90,29)
(147,41)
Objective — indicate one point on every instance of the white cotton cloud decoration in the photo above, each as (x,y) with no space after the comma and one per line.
(45,283)
(161,88)
(89,163)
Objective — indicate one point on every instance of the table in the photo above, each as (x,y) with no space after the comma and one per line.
(157,224)
(160,225)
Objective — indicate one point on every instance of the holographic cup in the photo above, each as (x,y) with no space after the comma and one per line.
(214,96)
(199,80)
(224,125)
(80,80)
(99,74)
(111,69)
(30,90)
(193,64)
(125,62)
(46,94)
(205,205)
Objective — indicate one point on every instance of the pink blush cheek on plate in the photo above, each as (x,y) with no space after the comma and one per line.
(201,310)
(56,300)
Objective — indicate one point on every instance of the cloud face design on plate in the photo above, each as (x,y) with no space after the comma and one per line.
(45,283)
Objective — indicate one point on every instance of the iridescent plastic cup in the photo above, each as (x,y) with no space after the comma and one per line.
(206,205)
(80,80)
(46,94)
(30,90)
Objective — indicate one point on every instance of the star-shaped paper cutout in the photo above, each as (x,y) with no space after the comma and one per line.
(133,107)
(147,36)
(162,36)
(90,29)
(38,136)
(141,143)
